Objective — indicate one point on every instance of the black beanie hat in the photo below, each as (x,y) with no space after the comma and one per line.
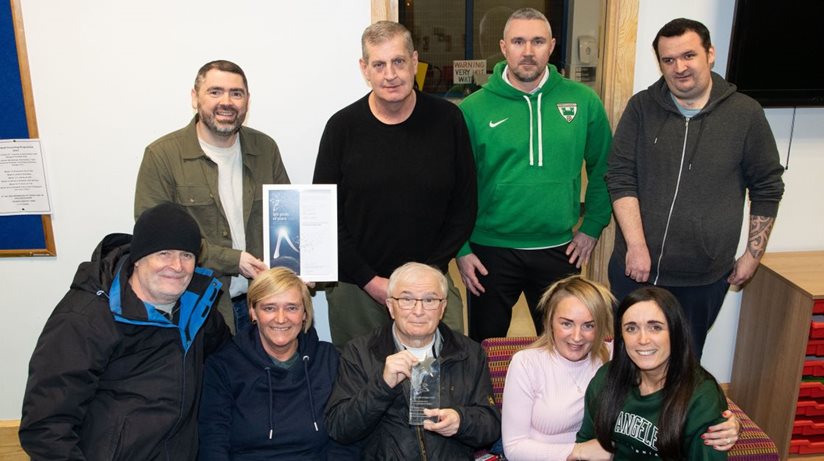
(164,227)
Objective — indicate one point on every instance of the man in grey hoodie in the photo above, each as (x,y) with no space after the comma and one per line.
(685,153)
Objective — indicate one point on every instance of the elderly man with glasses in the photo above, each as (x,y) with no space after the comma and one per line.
(370,404)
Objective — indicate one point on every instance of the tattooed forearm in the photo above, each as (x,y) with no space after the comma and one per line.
(760,228)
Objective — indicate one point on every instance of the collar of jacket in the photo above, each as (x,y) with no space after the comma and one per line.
(194,304)
(96,275)
(191,143)
(497,85)
(383,344)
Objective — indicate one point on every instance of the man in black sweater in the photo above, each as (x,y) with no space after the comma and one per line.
(406,184)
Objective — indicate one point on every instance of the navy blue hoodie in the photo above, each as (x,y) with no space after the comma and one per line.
(252,409)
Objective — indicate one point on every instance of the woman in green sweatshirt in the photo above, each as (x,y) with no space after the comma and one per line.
(653,400)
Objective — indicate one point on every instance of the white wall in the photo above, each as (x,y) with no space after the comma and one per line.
(801,214)
(110,77)
(585,20)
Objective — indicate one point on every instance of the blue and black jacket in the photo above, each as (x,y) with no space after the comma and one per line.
(111,378)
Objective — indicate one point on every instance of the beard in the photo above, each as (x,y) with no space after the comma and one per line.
(527,76)
(223,129)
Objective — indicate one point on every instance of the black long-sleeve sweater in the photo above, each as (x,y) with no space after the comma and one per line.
(406,192)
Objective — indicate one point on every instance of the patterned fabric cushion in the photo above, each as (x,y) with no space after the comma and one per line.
(499,352)
(753,444)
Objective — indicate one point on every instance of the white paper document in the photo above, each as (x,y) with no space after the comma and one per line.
(300,229)
(22,178)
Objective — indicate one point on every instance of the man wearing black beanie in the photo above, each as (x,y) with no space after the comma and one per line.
(116,372)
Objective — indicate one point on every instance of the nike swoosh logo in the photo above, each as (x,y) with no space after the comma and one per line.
(494,124)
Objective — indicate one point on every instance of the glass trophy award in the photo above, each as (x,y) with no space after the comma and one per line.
(424,392)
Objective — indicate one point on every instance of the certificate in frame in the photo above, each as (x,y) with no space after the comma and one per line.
(300,229)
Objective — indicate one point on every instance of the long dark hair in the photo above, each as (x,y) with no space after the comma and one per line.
(684,374)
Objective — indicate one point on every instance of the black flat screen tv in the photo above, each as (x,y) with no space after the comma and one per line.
(777,52)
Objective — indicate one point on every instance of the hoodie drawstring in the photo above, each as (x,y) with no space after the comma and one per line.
(540,132)
(531,155)
(269,380)
(691,156)
(309,388)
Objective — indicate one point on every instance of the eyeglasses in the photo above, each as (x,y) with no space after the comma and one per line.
(407,303)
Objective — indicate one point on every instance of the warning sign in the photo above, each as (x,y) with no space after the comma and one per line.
(463,70)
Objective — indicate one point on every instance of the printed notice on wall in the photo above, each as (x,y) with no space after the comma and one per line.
(300,230)
(465,71)
(22,178)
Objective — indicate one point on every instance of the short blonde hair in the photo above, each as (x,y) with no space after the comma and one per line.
(276,281)
(598,301)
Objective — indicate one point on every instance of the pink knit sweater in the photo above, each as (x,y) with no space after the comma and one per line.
(543,404)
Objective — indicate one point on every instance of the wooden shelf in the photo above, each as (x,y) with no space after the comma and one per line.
(773,328)
(803,269)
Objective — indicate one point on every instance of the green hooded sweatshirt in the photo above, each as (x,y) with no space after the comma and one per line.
(529,150)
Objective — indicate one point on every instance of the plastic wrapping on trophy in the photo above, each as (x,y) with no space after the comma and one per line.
(424,392)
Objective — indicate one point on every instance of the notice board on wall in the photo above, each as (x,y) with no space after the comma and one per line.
(20,235)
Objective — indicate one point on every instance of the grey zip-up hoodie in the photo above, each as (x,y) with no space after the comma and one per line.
(691,176)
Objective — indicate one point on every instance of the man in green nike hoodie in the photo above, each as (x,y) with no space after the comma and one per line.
(531,131)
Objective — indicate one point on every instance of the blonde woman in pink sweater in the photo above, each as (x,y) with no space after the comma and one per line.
(543,403)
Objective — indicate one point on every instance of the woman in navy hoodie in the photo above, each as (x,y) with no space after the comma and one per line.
(264,393)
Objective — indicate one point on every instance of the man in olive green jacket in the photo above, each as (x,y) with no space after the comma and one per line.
(215,167)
